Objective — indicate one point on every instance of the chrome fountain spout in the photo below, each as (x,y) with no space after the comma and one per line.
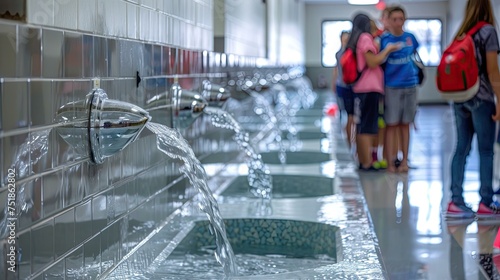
(100,127)
(177,107)
(216,95)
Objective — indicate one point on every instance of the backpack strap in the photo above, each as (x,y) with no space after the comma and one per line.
(476,28)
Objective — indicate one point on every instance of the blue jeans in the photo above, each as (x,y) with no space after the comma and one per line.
(474,116)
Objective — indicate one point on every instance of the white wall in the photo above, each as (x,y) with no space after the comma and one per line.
(286,40)
(245,27)
(316,13)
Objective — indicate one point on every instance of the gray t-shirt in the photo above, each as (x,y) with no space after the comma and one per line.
(340,79)
(486,40)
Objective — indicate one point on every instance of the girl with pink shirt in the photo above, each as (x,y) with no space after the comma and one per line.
(369,86)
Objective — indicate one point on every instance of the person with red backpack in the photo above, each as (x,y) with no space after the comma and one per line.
(477,115)
(344,92)
(367,87)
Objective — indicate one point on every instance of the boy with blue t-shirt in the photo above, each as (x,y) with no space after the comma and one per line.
(401,80)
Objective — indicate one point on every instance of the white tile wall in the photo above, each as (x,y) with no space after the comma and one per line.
(86,15)
(40,12)
(132,20)
(181,23)
(65,14)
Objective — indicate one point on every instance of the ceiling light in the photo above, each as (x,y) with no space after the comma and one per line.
(362,2)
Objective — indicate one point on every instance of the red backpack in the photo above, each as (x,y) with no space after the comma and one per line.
(457,75)
(349,64)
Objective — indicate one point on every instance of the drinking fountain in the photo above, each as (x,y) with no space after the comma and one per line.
(216,95)
(177,107)
(98,126)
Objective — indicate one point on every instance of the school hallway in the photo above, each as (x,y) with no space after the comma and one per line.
(416,242)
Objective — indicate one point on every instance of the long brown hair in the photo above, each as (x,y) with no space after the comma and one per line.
(475,11)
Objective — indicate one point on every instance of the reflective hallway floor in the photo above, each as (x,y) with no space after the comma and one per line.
(416,242)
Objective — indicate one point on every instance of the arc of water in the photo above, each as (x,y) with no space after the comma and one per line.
(266,112)
(28,154)
(171,143)
(259,177)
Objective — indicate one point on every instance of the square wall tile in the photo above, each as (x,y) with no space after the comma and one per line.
(64,232)
(73,55)
(40,12)
(110,205)
(24,247)
(87,15)
(110,246)
(55,272)
(53,187)
(83,222)
(132,23)
(16,154)
(132,199)
(41,103)
(92,257)
(114,58)
(29,52)
(15,105)
(74,263)
(88,56)
(74,189)
(42,245)
(144,23)
(99,213)
(52,53)
(100,57)
(120,199)
(101,27)
(66,14)
(32,202)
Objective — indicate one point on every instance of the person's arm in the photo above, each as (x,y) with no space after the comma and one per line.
(374,60)
(494,76)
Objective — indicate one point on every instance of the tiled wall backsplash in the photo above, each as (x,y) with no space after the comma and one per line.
(159,21)
(76,218)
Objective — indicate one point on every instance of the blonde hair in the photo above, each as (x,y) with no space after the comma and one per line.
(475,11)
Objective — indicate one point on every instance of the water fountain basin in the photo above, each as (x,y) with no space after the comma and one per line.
(285,186)
(262,247)
(300,157)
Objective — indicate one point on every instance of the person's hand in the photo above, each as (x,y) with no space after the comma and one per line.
(496,116)
(393,47)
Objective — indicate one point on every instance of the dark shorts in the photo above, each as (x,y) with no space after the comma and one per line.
(367,112)
(346,97)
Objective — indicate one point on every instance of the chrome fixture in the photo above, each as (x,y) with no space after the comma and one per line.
(177,107)
(215,95)
(100,127)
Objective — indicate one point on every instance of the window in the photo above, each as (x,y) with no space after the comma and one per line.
(428,34)
(427,31)
(331,30)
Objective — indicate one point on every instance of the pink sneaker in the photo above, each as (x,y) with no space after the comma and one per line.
(489,212)
(456,211)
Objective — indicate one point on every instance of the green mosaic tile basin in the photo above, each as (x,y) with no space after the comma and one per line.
(261,247)
(296,157)
(285,186)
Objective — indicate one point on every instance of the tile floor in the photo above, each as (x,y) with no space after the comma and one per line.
(415,240)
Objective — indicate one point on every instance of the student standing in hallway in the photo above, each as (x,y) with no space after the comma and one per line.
(344,92)
(369,86)
(478,116)
(401,80)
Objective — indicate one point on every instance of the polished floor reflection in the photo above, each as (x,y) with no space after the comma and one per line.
(416,242)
